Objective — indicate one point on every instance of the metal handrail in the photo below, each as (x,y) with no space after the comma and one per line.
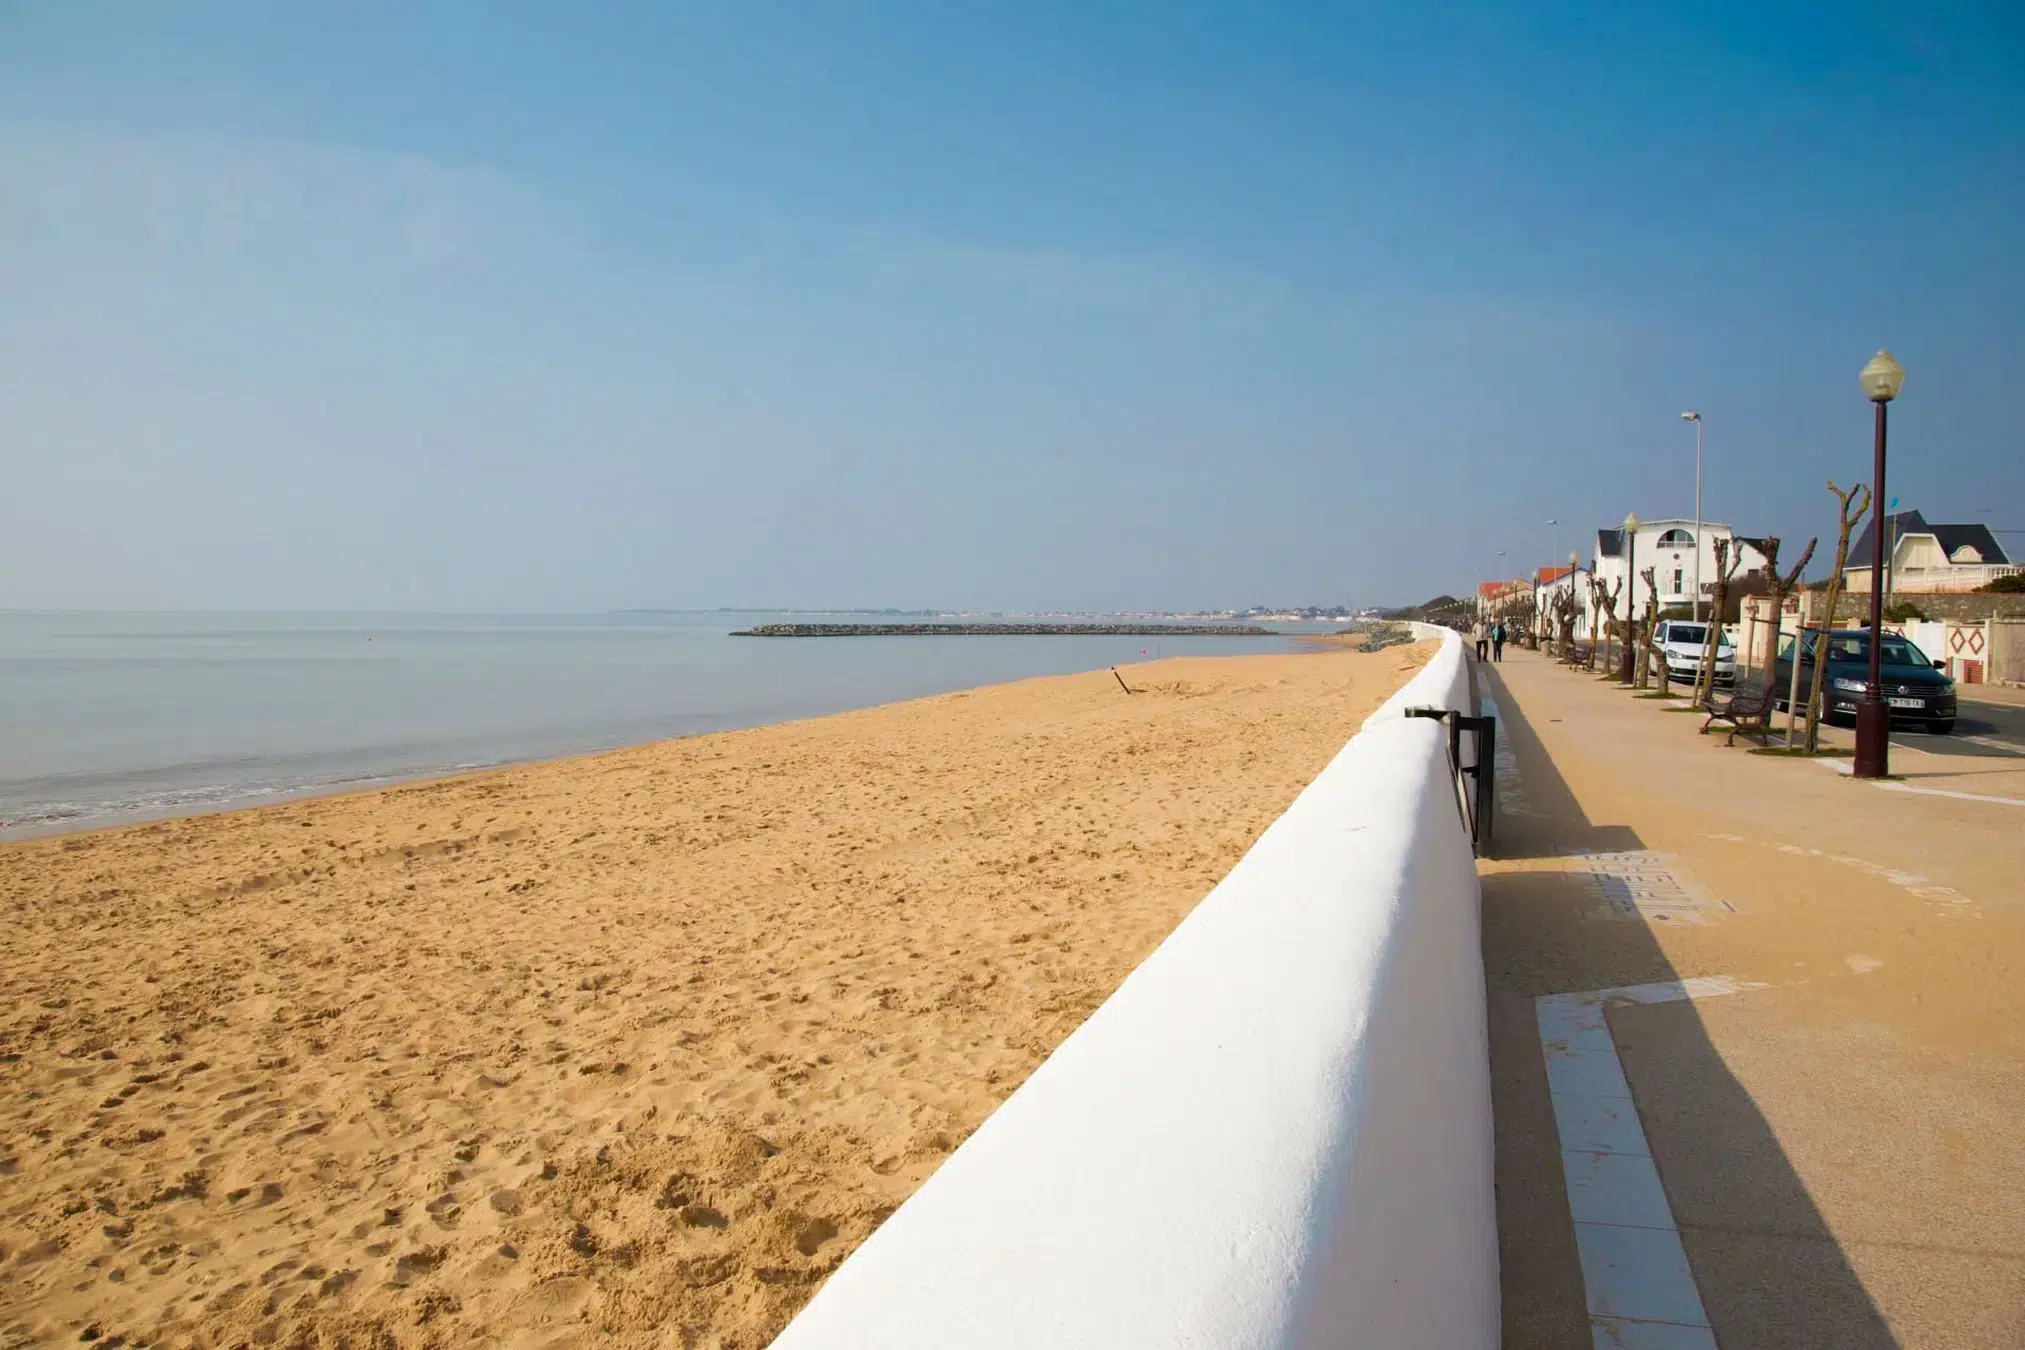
(1479,815)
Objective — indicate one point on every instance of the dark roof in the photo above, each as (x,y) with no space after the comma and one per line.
(1950,538)
(1610,544)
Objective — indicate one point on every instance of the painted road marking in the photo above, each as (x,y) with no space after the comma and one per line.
(1992,743)
(1639,1288)
(1960,796)
(1917,884)
(1842,767)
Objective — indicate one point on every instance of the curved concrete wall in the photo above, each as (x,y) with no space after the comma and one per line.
(1276,1133)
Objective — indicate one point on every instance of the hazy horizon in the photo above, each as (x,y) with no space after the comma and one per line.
(478,309)
(596,610)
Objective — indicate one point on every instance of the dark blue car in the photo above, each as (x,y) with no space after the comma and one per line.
(1915,689)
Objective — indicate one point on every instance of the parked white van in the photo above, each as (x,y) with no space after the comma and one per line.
(1682,639)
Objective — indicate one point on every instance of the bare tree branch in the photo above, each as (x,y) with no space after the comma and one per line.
(1850,507)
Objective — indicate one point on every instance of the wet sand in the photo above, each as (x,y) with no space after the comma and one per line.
(623,1050)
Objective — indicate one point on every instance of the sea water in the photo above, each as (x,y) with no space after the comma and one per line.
(108,717)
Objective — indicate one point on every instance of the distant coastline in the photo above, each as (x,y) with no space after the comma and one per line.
(116,717)
(827,630)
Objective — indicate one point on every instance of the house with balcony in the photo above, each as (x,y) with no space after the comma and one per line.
(1924,559)
(1670,547)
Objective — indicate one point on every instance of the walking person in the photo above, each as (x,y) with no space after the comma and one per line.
(1482,634)
(1498,640)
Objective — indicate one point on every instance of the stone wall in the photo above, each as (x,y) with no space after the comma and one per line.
(1973,605)
(2007,652)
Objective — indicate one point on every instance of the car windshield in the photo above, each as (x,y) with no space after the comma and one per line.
(1694,634)
(1855,647)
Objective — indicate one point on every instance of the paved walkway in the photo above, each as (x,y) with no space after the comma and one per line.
(1796,1117)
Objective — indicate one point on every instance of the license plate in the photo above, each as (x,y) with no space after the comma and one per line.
(1907,702)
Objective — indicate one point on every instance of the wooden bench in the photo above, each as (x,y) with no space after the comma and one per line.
(1748,710)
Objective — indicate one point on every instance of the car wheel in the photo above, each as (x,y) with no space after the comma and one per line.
(1944,727)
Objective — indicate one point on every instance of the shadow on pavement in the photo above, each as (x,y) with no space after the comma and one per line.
(1769,1272)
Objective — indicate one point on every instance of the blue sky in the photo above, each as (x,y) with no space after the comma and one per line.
(463,306)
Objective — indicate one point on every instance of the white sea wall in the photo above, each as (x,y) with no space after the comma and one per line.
(1275,1133)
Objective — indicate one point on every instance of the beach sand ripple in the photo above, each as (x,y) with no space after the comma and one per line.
(625,1050)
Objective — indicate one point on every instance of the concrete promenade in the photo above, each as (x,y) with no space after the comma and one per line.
(1814,1086)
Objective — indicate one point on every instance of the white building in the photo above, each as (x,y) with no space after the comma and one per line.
(1924,558)
(1667,546)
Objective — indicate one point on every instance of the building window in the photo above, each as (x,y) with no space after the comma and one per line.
(1677,581)
(1676,539)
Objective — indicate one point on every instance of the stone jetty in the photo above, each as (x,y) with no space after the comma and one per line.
(819,630)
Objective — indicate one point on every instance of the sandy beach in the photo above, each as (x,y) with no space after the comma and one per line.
(623,1050)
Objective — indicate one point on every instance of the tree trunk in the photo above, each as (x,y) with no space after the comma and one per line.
(1728,557)
(1859,495)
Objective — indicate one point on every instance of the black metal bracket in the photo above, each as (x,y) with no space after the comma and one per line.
(1476,782)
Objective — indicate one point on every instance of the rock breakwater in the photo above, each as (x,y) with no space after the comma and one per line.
(817,630)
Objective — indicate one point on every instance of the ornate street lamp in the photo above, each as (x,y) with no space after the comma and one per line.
(1630,594)
(1880,381)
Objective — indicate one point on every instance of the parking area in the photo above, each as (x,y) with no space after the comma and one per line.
(1990,724)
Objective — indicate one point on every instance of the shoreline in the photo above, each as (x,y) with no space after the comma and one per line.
(645,1040)
(12,833)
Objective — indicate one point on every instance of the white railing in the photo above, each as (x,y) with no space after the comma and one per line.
(1276,1132)
(1952,580)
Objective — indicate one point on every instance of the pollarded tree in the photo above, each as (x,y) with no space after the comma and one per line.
(1606,605)
(1850,506)
(1521,612)
(1597,636)
(1565,610)
(1729,557)
(1649,653)
(1777,588)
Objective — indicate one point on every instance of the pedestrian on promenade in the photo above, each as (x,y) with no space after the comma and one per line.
(1482,634)
(1498,640)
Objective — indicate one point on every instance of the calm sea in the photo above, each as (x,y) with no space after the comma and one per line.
(106,717)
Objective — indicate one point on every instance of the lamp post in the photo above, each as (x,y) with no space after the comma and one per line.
(1696,418)
(1630,594)
(1880,381)
(1890,549)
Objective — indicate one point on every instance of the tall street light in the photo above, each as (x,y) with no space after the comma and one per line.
(1630,594)
(1696,418)
(1880,381)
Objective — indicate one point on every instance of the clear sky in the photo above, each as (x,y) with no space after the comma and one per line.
(541,306)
